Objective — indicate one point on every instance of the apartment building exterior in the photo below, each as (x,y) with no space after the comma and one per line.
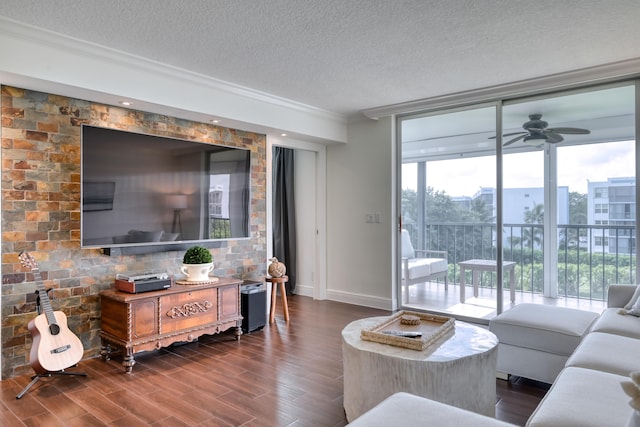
(612,210)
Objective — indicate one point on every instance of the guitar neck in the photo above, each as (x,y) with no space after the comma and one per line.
(45,302)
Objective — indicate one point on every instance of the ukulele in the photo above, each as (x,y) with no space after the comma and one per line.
(55,347)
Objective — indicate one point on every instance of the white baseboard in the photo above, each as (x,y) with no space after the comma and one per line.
(363,300)
(348,298)
(502,375)
(306,291)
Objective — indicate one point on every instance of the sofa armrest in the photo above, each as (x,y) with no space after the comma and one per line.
(431,254)
(619,295)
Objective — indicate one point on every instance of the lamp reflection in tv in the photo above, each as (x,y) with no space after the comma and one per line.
(177,202)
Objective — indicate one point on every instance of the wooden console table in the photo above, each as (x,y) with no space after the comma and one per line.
(152,320)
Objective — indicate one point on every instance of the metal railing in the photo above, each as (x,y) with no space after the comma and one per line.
(589,257)
(219,228)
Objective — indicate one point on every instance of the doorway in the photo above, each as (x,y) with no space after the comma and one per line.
(310,208)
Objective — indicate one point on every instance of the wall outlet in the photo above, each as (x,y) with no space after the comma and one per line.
(369,218)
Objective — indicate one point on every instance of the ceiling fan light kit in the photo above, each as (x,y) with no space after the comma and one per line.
(534,139)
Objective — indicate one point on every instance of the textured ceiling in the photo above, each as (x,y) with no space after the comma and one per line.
(349,55)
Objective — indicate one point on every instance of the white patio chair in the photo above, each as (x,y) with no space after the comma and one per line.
(419,266)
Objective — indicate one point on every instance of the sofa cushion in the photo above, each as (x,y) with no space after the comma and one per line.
(556,330)
(634,298)
(423,267)
(611,353)
(407,248)
(418,268)
(140,236)
(404,409)
(169,237)
(613,322)
(583,398)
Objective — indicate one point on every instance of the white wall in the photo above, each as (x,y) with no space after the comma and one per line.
(359,181)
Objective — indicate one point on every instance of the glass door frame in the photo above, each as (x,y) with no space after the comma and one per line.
(550,262)
(421,176)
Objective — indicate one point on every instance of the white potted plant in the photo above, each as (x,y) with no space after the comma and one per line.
(197,263)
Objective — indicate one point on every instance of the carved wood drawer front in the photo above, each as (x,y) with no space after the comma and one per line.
(143,318)
(188,310)
(229,301)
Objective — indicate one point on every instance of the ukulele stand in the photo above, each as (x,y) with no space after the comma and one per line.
(36,378)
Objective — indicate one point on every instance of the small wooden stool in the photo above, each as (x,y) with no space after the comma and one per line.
(283,292)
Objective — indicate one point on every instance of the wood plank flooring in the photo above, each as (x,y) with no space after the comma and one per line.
(284,375)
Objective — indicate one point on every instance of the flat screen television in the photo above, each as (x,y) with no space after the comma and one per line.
(162,193)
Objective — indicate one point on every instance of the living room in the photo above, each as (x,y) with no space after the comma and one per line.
(359,169)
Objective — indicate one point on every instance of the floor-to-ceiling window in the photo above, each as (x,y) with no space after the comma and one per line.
(566,167)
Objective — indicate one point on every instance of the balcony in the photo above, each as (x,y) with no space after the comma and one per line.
(589,259)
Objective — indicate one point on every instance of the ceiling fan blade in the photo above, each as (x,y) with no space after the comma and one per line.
(574,131)
(553,138)
(514,140)
(508,134)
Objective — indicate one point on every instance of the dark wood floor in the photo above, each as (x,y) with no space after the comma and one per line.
(284,375)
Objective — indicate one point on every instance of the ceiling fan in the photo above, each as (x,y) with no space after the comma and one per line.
(537,132)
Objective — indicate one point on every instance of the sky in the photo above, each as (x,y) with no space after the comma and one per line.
(577,165)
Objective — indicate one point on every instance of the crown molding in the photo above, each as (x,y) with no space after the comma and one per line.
(606,73)
(62,53)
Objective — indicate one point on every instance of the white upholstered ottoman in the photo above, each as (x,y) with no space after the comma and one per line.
(535,340)
(404,409)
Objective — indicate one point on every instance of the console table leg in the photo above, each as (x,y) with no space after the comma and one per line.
(128,361)
(105,352)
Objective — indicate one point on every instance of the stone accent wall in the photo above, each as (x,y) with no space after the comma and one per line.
(41,213)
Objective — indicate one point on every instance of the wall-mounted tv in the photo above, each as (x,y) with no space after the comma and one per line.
(149,191)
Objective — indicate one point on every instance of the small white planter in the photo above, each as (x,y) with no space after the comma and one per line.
(197,272)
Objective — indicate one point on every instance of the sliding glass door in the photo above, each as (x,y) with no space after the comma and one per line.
(448,210)
(562,169)
(570,243)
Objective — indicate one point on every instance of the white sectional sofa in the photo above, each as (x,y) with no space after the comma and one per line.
(587,392)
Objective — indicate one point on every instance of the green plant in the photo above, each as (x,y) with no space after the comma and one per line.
(197,255)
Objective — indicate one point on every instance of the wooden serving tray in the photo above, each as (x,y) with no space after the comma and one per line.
(432,327)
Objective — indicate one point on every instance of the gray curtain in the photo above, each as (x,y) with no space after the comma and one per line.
(284,215)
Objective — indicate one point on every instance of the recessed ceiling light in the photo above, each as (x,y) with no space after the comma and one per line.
(126,103)
(215,121)
(283,134)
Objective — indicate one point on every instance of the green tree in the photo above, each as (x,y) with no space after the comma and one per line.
(569,236)
(481,211)
(409,206)
(577,208)
(441,208)
(532,236)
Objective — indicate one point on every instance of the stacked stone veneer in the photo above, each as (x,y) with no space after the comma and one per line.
(41,213)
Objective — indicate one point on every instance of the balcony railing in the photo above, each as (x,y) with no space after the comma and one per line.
(589,257)
(219,228)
